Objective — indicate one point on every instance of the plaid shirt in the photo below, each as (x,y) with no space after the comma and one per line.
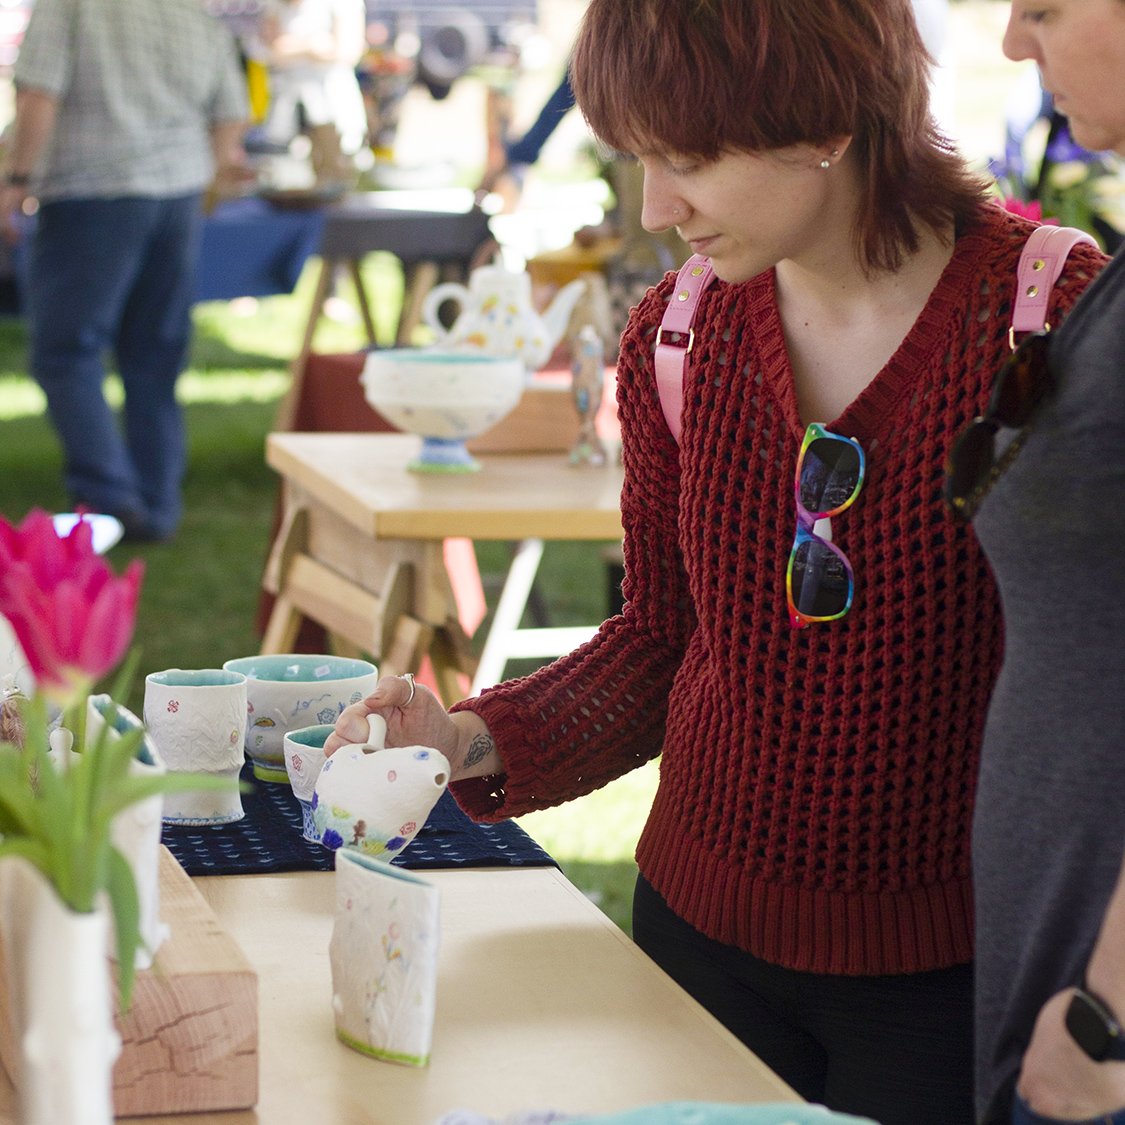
(139,84)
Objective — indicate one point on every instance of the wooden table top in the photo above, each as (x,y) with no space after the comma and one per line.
(363,478)
(541,1003)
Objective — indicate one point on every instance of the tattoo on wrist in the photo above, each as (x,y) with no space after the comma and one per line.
(479,749)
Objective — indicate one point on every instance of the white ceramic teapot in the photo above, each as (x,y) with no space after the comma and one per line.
(376,800)
(496,314)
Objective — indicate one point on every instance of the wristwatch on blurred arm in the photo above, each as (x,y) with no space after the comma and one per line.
(1094,1027)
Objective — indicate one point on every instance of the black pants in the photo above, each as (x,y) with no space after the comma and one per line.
(895,1048)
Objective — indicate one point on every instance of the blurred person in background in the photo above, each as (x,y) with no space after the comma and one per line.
(126,111)
(311,49)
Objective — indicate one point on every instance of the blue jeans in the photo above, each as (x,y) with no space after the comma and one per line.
(116,275)
(1022,1115)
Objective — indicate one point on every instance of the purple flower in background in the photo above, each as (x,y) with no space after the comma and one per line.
(1062,148)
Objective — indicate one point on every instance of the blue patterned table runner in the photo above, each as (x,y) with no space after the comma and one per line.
(268,838)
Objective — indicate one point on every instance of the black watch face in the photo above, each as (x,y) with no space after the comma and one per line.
(1092,1027)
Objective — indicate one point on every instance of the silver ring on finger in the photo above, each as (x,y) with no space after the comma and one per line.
(409,678)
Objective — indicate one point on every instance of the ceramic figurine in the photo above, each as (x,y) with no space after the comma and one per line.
(497,315)
(587,370)
(373,800)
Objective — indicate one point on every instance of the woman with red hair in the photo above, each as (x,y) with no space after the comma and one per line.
(808,639)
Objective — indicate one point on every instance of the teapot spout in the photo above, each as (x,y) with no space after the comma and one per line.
(556,316)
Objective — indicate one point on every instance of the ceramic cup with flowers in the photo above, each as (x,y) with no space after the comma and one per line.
(288,691)
(304,759)
(197,718)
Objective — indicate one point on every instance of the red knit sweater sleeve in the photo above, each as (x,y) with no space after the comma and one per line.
(599,712)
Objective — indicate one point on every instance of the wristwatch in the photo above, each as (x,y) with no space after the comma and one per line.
(1094,1028)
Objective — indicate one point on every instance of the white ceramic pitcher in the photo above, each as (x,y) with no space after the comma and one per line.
(496,314)
(375,800)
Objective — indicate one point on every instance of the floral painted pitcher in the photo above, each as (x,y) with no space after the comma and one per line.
(373,800)
(497,315)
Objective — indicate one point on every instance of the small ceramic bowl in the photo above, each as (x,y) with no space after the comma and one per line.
(286,692)
(444,396)
(304,759)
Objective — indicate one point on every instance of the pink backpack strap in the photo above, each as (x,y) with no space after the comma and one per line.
(693,279)
(1041,262)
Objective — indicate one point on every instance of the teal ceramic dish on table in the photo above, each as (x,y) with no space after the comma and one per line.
(289,691)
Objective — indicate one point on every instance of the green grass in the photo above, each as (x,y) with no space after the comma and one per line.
(199,600)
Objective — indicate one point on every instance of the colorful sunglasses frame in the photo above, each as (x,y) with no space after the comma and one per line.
(806,520)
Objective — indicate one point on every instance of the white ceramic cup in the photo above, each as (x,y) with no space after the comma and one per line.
(197,718)
(304,759)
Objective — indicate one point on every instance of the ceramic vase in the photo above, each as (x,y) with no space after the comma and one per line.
(384,954)
(135,831)
(59,1002)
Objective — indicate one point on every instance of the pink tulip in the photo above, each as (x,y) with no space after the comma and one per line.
(73,617)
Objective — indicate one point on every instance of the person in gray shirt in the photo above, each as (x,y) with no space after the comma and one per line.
(1049,823)
(126,111)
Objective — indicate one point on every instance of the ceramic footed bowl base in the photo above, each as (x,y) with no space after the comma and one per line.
(267,771)
(443,455)
(308,822)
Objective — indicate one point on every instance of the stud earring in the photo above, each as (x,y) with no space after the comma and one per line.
(826,163)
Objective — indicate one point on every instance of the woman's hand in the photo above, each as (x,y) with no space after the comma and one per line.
(1058,1079)
(416,717)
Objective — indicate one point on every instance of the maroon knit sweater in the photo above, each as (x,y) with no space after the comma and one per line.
(816,785)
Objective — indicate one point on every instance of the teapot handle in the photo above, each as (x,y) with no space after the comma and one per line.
(436,297)
(376,732)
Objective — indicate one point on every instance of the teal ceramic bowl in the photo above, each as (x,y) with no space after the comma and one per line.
(286,692)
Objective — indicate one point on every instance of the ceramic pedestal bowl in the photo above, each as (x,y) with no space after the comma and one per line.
(289,691)
(445,396)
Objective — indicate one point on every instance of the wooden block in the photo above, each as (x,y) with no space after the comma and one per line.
(190,1039)
(544,421)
